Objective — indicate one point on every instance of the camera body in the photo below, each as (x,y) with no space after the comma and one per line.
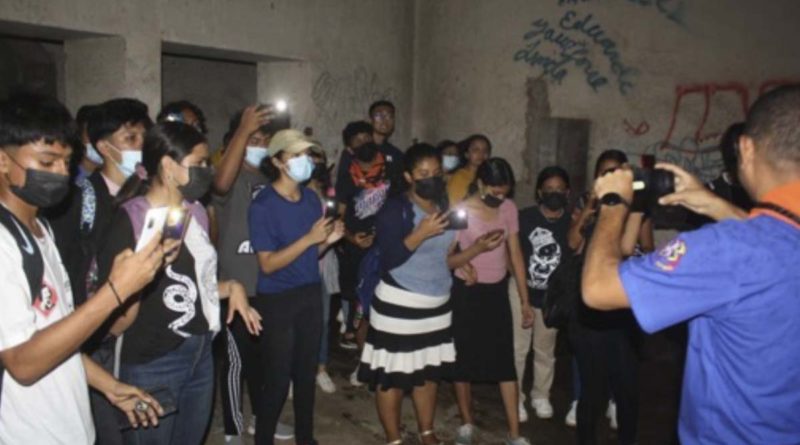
(649,185)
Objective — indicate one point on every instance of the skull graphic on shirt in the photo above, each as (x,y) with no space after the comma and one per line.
(545,258)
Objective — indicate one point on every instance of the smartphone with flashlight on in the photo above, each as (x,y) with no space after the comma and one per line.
(331,208)
(176,223)
(457,219)
(170,222)
(280,119)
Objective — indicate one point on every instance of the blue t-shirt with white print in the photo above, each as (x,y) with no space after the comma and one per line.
(737,283)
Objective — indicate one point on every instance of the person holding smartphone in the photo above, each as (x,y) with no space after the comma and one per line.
(164,334)
(288,232)
(482,322)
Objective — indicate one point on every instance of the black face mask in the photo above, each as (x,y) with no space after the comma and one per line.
(366,152)
(430,189)
(492,201)
(41,189)
(554,200)
(200,179)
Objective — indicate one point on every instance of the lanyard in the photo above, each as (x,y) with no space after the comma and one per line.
(779,210)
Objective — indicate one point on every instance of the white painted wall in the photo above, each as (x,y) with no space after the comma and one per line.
(467,79)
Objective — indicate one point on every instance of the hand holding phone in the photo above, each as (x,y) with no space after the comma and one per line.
(491,240)
(457,219)
(162,395)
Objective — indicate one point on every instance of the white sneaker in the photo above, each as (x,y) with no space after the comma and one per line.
(544,410)
(354,379)
(518,441)
(465,434)
(523,413)
(325,383)
(290,396)
(572,416)
(251,429)
(611,413)
(283,431)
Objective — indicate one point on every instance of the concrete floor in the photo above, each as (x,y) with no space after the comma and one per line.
(348,416)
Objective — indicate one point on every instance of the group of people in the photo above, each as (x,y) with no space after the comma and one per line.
(441,278)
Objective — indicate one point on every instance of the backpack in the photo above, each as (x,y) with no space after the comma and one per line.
(563,293)
(32,261)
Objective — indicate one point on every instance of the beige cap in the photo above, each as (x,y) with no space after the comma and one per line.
(291,141)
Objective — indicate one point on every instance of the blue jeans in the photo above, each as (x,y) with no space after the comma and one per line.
(326,317)
(188,372)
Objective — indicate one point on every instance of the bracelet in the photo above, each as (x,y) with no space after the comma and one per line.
(114,290)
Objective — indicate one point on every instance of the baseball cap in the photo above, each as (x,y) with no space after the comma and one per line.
(291,141)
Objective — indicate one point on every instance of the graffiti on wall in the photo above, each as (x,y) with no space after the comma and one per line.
(577,43)
(699,115)
(672,10)
(340,98)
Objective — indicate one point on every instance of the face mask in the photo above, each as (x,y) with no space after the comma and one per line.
(430,189)
(199,183)
(254,155)
(366,152)
(554,200)
(300,168)
(492,201)
(450,162)
(92,154)
(130,159)
(41,189)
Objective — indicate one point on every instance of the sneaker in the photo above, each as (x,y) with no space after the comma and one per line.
(284,431)
(523,413)
(518,441)
(290,396)
(251,429)
(325,383)
(354,379)
(348,343)
(233,440)
(544,410)
(464,434)
(611,413)
(572,415)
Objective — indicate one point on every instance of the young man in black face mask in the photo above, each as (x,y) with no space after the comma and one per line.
(543,236)
(44,397)
(362,186)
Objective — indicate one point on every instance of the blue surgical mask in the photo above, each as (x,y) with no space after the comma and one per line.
(92,154)
(130,159)
(449,162)
(254,155)
(300,168)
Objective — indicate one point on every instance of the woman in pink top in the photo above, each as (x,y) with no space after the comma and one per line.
(482,329)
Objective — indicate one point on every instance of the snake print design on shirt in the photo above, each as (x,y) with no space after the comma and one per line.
(180,298)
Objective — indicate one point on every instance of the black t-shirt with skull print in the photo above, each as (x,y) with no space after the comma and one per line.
(544,244)
(170,310)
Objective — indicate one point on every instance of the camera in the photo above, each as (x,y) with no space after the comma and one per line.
(649,185)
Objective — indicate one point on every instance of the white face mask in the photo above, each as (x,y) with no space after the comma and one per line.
(449,162)
(93,155)
(130,159)
(300,168)
(254,155)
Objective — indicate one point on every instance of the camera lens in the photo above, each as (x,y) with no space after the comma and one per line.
(662,183)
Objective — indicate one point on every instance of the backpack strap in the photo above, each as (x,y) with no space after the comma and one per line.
(32,262)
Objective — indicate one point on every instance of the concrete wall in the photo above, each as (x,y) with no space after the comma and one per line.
(653,76)
(340,55)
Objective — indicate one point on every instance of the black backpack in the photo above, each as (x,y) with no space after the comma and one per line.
(563,292)
(32,262)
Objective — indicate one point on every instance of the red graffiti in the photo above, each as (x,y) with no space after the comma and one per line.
(708,91)
(638,130)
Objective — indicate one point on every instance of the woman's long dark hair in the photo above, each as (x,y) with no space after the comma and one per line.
(173,139)
(494,172)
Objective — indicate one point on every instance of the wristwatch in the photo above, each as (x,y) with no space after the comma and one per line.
(612,199)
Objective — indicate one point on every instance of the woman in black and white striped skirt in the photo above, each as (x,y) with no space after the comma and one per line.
(409,345)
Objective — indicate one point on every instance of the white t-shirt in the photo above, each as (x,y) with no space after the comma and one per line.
(55,409)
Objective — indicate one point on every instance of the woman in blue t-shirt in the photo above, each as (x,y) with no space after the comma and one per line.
(288,232)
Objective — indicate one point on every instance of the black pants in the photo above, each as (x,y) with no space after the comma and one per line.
(289,344)
(104,414)
(606,358)
(350,257)
(240,357)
